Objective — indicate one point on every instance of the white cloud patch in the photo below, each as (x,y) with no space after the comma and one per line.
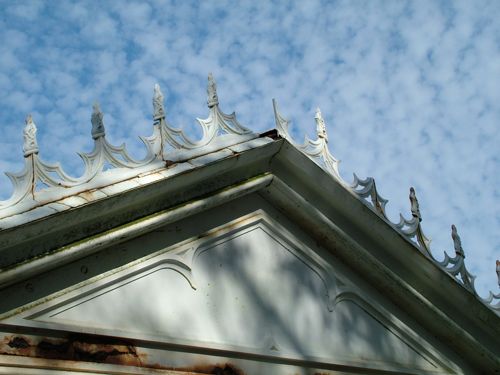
(409,90)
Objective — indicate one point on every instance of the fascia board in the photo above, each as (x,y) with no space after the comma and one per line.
(34,239)
(384,257)
(129,231)
(375,233)
(371,246)
(200,353)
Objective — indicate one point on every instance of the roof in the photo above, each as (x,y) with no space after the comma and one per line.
(82,215)
(169,152)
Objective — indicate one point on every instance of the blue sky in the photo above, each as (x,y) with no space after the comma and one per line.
(409,90)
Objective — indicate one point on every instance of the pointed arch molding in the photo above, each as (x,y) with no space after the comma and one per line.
(249,286)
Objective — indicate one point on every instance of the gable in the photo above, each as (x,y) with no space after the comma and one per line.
(249,282)
(66,254)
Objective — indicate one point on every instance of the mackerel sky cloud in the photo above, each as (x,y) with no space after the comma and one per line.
(410,90)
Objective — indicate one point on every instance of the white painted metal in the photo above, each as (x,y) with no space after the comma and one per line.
(220,130)
(317,150)
(409,228)
(91,246)
(250,286)
(319,227)
(222,135)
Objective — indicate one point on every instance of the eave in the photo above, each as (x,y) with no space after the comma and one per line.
(331,214)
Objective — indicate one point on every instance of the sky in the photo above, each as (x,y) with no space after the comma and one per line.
(409,90)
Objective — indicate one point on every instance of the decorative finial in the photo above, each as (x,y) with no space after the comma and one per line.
(30,145)
(320,125)
(213,99)
(415,209)
(457,243)
(97,122)
(498,272)
(158,109)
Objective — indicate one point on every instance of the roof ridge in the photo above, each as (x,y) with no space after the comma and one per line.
(410,229)
(168,145)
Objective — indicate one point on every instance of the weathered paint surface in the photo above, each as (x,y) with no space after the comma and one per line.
(134,304)
(76,348)
(87,348)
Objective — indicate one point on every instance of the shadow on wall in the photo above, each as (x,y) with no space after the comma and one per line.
(252,290)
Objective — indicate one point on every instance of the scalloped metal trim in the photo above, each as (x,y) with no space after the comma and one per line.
(411,229)
(168,144)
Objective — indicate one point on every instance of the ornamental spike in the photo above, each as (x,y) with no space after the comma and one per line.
(97,122)
(30,145)
(282,123)
(212,99)
(158,108)
(320,125)
(415,209)
(457,242)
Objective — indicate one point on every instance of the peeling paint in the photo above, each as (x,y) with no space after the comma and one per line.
(18,342)
(87,348)
(218,369)
(75,348)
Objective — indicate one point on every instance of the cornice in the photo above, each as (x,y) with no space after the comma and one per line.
(169,151)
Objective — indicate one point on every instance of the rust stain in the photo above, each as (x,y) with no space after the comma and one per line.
(88,348)
(18,342)
(87,195)
(206,369)
(218,369)
(76,348)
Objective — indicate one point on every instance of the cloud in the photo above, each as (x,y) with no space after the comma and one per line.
(409,90)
